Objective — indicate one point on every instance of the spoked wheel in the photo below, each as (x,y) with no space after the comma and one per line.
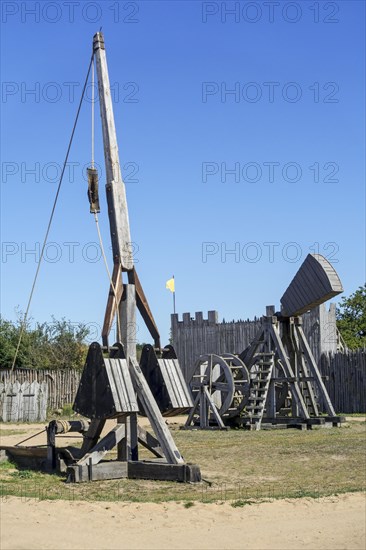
(226,379)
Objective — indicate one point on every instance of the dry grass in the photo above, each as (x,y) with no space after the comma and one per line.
(236,465)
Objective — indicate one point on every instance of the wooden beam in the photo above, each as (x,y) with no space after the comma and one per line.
(106,444)
(92,435)
(154,415)
(115,188)
(112,303)
(145,311)
(186,473)
(315,371)
(305,379)
(127,316)
(113,469)
(212,406)
(248,354)
(149,442)
(295,388)
(166,472)
(196,405)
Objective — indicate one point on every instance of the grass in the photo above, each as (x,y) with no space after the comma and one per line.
(188,504)
(237,466)
(241,503)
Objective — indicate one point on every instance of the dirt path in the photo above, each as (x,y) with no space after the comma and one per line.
(328,523)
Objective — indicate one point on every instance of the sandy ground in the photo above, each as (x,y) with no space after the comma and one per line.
(327,523)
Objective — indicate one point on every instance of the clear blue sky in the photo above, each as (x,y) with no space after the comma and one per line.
(292,133)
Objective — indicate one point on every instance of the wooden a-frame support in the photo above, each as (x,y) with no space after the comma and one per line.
(114,302)
(126,436)
(203,404)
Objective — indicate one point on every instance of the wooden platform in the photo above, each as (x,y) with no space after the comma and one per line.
(299,423)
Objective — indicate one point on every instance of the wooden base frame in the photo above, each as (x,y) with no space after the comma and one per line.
(142,469)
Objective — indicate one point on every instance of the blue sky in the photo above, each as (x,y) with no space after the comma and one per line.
(240,128)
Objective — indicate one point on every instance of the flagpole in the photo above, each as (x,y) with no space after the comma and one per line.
(174,297)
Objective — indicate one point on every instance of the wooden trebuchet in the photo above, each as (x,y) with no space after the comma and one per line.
(315,282)
(113,385)
(285,385)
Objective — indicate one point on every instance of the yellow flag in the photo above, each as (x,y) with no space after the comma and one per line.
(170,285)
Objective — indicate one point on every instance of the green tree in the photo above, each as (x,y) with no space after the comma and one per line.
(30,352)
(351,319)
(65,343)
(58,345)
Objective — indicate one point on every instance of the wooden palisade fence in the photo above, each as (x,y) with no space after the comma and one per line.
(345,381)
(26,402)
(61,385)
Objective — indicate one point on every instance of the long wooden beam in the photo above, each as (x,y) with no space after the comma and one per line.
(115,188)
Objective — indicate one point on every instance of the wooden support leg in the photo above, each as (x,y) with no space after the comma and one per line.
(92,435)
(287,339)
(144,309)
(149,442)
(203,409)
(315,371)
(209,404)
(124,445)
(196,405)
(134,436)
(294,385)
(305,373)
(154,415)
(107,443)
(271,399)
(248,354)
(127,312)
(112,304)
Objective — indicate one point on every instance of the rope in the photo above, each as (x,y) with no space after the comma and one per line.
(51,218)
(65,425)
(108,273)
(30,437)
(92,115)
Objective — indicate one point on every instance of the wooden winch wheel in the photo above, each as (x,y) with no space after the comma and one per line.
(227,380)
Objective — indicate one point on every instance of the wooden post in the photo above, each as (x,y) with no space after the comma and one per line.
(154,415)
(127,315)
(294,385)
(315,371)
